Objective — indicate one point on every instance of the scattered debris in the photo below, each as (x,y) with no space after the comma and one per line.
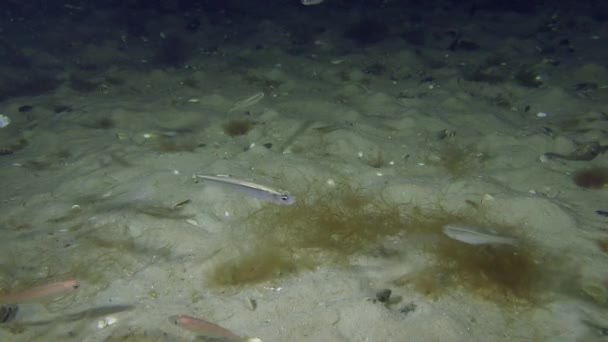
(602,212)
(585,152)
(8,313)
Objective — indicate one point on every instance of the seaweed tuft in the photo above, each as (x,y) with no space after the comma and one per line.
(237,127)
(333,225)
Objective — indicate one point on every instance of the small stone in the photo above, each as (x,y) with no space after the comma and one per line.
(25,109)
(252,304)
(383,296)
(406,309)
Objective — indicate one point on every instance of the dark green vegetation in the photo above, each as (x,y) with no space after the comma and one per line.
(333,225)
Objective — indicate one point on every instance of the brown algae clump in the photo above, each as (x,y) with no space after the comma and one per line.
(328,226)
(237,127)
(332,225)
(254,267)
(592,178)
(501,273)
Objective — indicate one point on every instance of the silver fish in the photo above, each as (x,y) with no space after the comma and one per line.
(472,237)
(256,190)
(310,2)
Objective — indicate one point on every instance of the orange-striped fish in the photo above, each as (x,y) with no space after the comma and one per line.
(208,329)
(39,292)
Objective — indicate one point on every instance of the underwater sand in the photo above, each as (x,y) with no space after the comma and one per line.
(382,145)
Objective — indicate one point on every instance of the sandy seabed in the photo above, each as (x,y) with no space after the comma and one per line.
(380,150)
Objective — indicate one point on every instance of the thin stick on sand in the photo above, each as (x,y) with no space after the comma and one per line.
(39,292)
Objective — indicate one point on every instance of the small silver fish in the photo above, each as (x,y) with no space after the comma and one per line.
(472,237)
(256,190)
